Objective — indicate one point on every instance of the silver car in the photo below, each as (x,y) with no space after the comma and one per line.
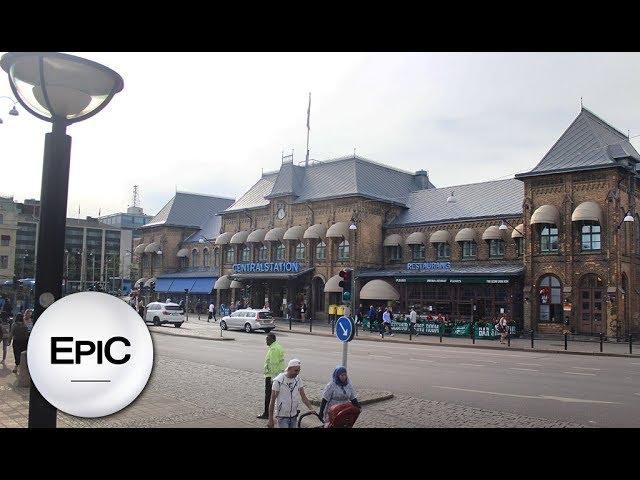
(249,320)
(159,313)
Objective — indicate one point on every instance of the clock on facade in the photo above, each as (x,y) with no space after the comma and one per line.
(280,213)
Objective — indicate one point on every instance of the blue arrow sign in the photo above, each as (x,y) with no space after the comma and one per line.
(344,329)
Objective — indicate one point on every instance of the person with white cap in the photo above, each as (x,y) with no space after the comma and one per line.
(286,393)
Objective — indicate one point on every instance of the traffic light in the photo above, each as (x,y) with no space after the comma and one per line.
(345,283)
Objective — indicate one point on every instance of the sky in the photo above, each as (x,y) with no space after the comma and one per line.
(211,122)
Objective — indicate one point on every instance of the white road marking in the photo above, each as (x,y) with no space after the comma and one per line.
(380,356)
(421,360)
(471,365)
(580,373)
(637,393)
(539,397)
(635,363)
(586,368)
(529,364)
(525,369)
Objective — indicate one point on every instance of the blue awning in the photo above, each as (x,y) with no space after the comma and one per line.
(180,284)
(163,284)
(203,285)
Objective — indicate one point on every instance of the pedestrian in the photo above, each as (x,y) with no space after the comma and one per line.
(372,318)
(141,308)
(198,308)
(413,318)
(359,312)
(273,365)
(338,390)
(386,321)
(211,314)
(502,328)
(379,315)
(20,337)
(287,391)
(5,336)
(28,314)
(303,308)
(347,311)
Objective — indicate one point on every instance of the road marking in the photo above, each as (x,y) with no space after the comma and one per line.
(421,360)
(227,349)
(580,373)
(525,369)
(586,368)
(635,363)
(529,364)
(538,397)
(637,393)
(380,356)
(471,365)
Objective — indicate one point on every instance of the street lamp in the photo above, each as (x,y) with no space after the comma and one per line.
(628,218)
(14,111)
(61,89)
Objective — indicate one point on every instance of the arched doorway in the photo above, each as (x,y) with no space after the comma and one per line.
(592,315)
(318,295)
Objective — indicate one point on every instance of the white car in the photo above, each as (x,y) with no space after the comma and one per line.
(249,320)
(159,313)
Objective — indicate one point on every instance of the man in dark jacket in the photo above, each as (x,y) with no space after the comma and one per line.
(20,337)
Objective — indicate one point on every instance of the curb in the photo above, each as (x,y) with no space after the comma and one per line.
(368,401)
(485,347)
(217,339)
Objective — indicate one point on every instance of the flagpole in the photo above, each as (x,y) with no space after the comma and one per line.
(306,163)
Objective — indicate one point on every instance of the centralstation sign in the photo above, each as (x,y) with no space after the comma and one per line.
(267,267)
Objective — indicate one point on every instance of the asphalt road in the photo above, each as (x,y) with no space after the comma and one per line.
(591,391)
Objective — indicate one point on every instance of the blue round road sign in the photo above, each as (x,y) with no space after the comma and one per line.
(344,329)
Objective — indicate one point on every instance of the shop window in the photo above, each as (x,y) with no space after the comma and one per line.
(343,250)
(443,251)
(245,254)
(321,251)
(590,237)
(548,238)
(418,252)
(262,253)
(5,240)
(206,257)
(279,253)
(194,258)
(395,253)
(300,251)
(519,246)
(550,300)
(230,255)
(469,249)
(496,248)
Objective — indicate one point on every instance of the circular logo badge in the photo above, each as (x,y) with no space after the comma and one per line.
(90,354)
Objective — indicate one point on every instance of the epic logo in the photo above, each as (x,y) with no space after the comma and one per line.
(55,349)
(90,354)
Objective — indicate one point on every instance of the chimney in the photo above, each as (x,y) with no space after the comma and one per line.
(422,179)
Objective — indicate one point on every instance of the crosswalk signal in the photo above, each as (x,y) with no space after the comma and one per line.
(345,283)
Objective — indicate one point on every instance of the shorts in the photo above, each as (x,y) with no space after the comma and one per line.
(287,422)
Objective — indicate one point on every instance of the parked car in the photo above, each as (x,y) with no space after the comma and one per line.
(249,320)
(160,313)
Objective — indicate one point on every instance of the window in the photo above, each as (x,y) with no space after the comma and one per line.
(157,260)
(145,260)
(550,300)
(216,258)
(395,253)
(246,254)
(230,255)
(300,251)
(5,241)
(469,249)
(443,250)
(279,252)
(590,237)
(418,252)
(4,261)
(343,250)
(1,218)
(496,248)
(194,258)
(206,257)
(519,246)
(549,238)
(262,253)
(321,251)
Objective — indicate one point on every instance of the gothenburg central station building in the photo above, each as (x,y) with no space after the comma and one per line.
(555,248)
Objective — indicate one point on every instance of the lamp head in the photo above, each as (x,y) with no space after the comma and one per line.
(503,226)
(628,217)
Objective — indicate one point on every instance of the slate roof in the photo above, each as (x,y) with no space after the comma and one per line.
(189,210)
(347,176)
(588,143)
(474,200)
(502,269)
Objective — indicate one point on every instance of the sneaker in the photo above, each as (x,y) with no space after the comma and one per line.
(264,416)
(381,335)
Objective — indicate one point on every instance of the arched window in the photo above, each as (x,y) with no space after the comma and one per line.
(245,255)
(184,262)
(519,246)
(550,301)
(194,258)
(216,257)
(145,260)
(443,250)
(230,254)
(206,258)
(418,252)
(279,252)
(321,251)
(157,260)
(548,238)
(590,236)
(343,250)
(469,249)
(496,248)
(395,253)
(300,251)
(262,253)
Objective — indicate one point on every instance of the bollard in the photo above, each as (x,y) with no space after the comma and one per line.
(440,328)
(311,324)
(473,337)
(333,326)
(565,340)
(532,338)
(601,342)
(410,331)
(508,338)
(289,322)
(630,344)
(356,329)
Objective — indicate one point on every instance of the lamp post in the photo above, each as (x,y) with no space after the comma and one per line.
(61,89)
(14,111)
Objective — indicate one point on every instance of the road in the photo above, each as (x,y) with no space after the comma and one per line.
(585,390)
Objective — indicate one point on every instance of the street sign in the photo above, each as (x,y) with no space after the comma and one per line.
(344,329)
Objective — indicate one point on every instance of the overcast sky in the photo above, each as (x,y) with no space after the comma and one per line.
(209,122)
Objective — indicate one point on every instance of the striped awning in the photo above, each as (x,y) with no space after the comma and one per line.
(274,235)
(256,236)
(466,235)
(492,233)
(378,290)
(416,238)
(518,232)
(224,238)
(183,252)
(333,285)
(294,233)
(587,212)
(223,283)
(152,247)
(546,214)
(139,249)
(338,230)
(239,238)
(441,236)
(317,232)
(393,240)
